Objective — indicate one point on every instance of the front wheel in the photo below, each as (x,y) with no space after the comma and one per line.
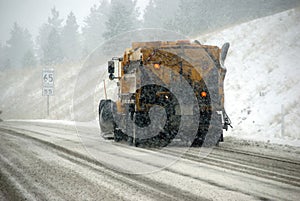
(106,119)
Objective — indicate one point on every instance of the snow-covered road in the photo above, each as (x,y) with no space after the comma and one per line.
(42,161)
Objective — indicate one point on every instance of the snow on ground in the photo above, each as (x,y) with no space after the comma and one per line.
(45,121)
(262,86)
(21,93)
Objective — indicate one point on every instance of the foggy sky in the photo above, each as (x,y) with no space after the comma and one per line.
(31,14)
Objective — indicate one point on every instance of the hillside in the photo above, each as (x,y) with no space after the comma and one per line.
(263,84)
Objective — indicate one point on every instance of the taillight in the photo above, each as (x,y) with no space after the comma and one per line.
(203,94)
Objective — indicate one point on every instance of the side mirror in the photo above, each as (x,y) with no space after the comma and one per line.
(111,67)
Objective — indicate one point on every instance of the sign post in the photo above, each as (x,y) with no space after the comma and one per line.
(48,85)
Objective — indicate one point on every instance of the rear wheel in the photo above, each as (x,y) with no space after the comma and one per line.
(159,107)
(215,134)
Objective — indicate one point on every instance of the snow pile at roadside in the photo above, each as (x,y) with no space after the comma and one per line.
(262,87)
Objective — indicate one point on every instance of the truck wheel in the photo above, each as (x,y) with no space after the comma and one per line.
(106,119)
(216,133)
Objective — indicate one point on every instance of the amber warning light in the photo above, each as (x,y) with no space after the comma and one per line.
(203,94)
(156,66)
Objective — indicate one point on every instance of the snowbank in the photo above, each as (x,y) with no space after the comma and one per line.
(262,86)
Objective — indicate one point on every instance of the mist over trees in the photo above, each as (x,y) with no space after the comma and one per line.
(159,12)
(62,40)
(18,48)
(71,47)
(194,17)
(122,17)
(2,55)
(94,27)
(49,40)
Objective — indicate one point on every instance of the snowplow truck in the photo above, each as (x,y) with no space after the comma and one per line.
(168,91)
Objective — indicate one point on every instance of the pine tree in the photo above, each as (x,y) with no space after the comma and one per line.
(70,39)
(29,59)
(95,26)
(54,21)
(159,12)
(49,39)
(121,18)
(42,41)
(184,18)
(2,56)
(151,19)
(7,64)
(199,16)
(53,53)
(19,43)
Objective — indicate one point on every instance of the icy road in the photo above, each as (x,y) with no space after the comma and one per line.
(42,161)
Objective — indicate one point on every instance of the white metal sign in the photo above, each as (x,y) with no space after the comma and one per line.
(48,82)
(48,91)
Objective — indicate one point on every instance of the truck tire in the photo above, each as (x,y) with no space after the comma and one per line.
(106,119)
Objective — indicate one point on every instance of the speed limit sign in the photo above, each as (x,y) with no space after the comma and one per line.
(48,82)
